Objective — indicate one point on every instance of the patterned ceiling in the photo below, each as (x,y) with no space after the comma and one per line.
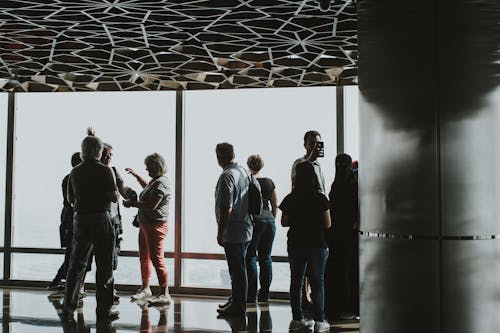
(88,45)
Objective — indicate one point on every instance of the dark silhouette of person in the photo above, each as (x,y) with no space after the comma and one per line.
(306,212)
(92,188)
(341,274)
(65,230)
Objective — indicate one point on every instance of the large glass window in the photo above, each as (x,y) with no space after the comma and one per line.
(3,157)
(129,272)
(41,267)
(351,121)
(50,128)
(268,122)
(205,273)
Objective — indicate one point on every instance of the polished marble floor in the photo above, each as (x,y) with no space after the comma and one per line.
(37,311)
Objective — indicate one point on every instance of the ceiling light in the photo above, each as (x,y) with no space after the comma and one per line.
(324,5)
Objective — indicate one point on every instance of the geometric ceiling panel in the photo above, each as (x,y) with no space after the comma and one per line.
(90,45)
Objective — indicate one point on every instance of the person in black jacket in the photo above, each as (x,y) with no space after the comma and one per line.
(91,190)
(65,230)
(341,276)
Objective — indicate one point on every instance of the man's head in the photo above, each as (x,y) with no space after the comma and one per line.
(311,138)
(107,154)
(76,159)
(225,153)
(92,148)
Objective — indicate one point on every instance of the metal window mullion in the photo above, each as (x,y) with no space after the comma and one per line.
(9,188)
(340,119)
(179,181)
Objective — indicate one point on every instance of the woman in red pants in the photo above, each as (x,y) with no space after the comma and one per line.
(153,207)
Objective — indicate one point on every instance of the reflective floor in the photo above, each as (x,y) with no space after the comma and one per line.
(37,311)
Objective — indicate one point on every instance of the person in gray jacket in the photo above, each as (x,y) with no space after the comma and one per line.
(234,222)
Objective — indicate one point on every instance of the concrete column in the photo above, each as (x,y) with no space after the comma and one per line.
(429,75)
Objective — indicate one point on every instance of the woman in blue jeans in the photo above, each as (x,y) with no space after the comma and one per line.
(306,211)
(263,236)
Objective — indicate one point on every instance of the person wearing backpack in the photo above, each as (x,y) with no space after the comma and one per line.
(263,235)
(235,226)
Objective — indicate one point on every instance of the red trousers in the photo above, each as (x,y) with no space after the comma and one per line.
(151,236)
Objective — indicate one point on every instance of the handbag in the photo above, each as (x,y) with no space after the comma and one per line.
(135,221)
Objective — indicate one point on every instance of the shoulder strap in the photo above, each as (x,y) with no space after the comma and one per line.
(115,175)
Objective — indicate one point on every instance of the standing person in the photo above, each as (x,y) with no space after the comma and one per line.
(65,229)
(314,149)
(306,212)
(127,193)
(234,230)
(341,276)
(264,231)
(153,214)
(91,189)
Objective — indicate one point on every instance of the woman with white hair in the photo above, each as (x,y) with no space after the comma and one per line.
(153,204)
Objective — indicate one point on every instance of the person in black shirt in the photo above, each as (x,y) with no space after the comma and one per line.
(263,235)
(91,189)
(341,276)
(65,229)
(127,193)
(306,211)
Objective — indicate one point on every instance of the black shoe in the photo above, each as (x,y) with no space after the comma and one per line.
(111,315)
(230,312)
(263,297)
(347,316)
(82,295)
(228,303)
(116,299)
(55,285)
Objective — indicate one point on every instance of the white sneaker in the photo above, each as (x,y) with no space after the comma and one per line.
(141,294)
(321,326)
(161,300)
(142,304)
(296,325)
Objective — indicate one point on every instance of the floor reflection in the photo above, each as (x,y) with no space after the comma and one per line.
(40,311)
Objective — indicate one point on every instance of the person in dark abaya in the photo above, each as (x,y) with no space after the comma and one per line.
(341,274)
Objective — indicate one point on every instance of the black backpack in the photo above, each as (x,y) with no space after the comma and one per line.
(254,197)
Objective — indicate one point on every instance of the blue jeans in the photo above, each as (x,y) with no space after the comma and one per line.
(260,247)
(315,260)
(236,258)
